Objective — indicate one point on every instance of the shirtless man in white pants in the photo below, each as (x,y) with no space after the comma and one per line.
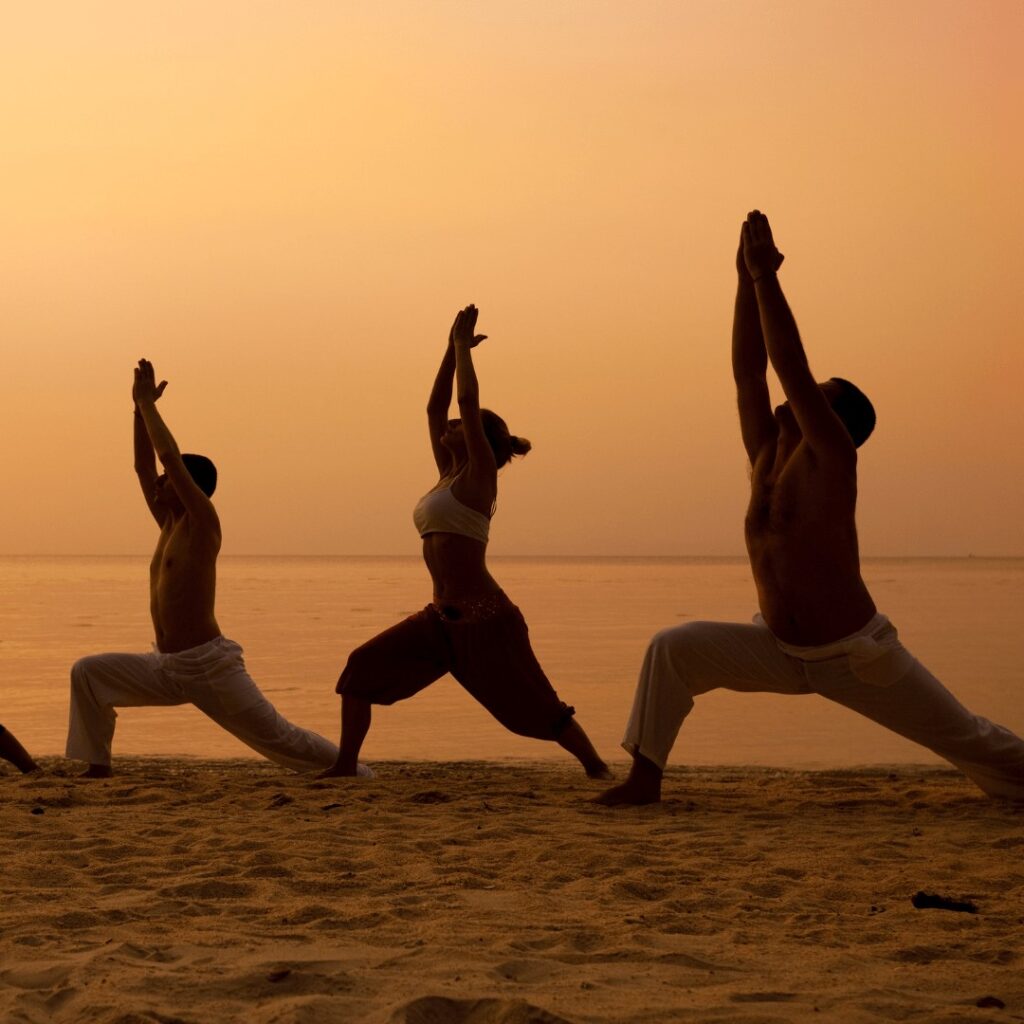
(818,631)
(192,662)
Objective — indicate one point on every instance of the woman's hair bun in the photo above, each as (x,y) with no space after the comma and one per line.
(503,443)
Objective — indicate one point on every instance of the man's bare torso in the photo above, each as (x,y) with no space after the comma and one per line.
(802,543)
(182,585)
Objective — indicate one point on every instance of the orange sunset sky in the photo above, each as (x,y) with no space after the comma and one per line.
(283,204)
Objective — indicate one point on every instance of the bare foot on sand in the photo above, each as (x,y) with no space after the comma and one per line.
(11,750)
(643,786)
(97,771)
(627,793)
(573,739)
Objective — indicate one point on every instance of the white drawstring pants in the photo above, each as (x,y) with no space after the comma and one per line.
(211,676)
(870,672)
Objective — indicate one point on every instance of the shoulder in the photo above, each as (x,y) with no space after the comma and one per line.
(830,474)
(836,457)
(204,527)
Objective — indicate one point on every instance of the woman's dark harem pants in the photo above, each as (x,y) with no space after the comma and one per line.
(490,656)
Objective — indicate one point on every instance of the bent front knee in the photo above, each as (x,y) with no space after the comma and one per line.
(80,672)
(358,667)
(674,638)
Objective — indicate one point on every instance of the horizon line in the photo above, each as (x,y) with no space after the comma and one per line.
(967,556)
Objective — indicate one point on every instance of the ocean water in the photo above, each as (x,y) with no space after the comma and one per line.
(590,619)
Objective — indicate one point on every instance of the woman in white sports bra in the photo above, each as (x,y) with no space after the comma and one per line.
(470,629)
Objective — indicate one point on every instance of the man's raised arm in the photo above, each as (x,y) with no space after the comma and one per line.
(145,459)
(146,392)
(820,426)
(750,365)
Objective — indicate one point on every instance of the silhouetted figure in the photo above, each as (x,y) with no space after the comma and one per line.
(11,750)
(192,663)
(471,629)
(818,630)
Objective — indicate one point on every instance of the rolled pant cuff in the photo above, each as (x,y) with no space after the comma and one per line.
(635,749)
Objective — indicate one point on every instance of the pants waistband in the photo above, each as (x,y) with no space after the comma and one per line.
(874,652)
(474,609)
(864,640)
(219,644)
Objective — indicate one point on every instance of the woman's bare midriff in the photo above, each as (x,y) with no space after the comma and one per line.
(458,568)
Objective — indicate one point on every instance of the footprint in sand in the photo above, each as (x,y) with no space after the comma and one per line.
(766,890)
(762,997)
(526,970)
(59,999)
(35,975)
(76,920)
(214,889)
(1007,843)
(309,913)
(640,890)
(63,800)
(919,955)
(439,1010)
(269,871)
(430,796)
(129,951)
(793,873)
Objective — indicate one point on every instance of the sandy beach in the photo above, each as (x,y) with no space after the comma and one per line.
(204,891)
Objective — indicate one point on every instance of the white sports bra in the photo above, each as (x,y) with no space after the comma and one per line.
(440,511)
